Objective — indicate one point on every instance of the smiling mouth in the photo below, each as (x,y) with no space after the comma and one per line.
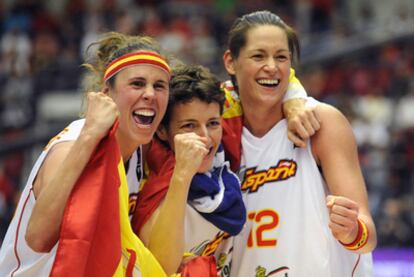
(270,83)
(144,117)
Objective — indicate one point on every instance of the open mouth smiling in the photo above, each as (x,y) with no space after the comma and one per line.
(144,117)
(268,82)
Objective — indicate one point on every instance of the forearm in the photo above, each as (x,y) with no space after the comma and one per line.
(166,240)
(293,107)
(335,149)
(44,224)
(294,99)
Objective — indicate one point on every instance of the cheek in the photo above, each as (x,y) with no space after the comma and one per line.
(246,76)
(217,135)
(245,71)
(286,68)
(162,100)
(123,99)
(286,72)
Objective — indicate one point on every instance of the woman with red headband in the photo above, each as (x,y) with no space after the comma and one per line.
(132,77)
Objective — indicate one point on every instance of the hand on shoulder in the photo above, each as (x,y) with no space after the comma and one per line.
(303,122)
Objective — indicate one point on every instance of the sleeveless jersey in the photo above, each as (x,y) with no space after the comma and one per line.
(16,257)
(287,233)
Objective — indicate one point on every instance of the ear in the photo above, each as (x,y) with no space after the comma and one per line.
(162,133)
(105,89)
(229,62)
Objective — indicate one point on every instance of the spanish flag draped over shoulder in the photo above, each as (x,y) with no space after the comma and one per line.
(96,238)
(232,123)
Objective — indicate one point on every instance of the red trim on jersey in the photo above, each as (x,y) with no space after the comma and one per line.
(356,264)
(17,233)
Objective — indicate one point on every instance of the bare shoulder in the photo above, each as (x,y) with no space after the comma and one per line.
(335,132)
(329,113)
(54,158)
(333,121)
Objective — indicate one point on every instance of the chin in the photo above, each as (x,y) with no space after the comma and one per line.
(144,138)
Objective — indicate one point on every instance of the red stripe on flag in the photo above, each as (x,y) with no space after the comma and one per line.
(131,263)
(89,242)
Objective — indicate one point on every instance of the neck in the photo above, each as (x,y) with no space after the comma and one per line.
(259,120)
(127,149)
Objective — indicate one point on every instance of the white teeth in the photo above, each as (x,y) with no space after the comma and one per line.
(145,112)
(268,82)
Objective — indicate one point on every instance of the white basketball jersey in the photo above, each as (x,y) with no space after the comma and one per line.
(287,231)
(205,239)
(16,257)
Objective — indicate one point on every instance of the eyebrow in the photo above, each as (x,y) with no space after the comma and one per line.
(162,82)
(186,120)
(139,78)
(219,118)
(195,120)
(264,51)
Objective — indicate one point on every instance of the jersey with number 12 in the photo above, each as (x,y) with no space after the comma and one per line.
(287,231)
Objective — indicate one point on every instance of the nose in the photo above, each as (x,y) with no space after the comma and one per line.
(204,133)
(271,64)
(149,93)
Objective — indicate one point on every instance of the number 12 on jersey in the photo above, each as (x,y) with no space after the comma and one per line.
(263,222)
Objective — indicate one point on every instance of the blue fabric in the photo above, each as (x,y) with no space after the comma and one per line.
(230,214)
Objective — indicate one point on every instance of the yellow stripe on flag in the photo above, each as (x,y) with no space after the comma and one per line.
(145,263)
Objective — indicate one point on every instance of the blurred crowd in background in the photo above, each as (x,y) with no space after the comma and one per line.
(356,55)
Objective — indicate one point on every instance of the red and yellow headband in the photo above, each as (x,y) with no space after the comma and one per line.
(139,57)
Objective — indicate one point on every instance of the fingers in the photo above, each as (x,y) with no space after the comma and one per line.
(101,113)
(191,140)
(310,121)
(315,120)
(304,124)
(93,94)
(341,232)
(296,139)
(330,201)
(190,150)
(303,131)
(189,154)
(343,217)
(341,201)
(344,229)
(100,98)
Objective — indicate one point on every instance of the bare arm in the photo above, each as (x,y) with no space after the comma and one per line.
(164,232)
(60,171)
(335,149)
